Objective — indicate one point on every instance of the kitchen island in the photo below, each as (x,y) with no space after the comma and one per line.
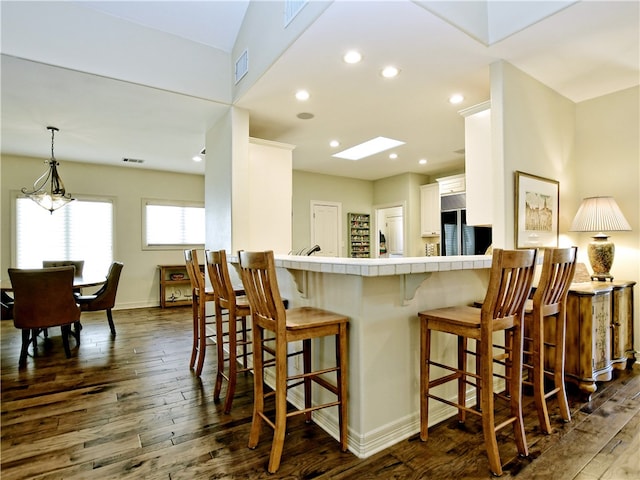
(382,298)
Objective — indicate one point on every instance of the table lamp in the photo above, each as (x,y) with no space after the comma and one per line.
(600,214)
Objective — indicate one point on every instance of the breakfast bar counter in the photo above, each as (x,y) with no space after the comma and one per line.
(382,298)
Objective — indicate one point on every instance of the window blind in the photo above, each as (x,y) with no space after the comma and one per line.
(82,230)
(174,225)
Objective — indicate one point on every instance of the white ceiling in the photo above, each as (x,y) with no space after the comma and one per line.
(213,23)
(584,50)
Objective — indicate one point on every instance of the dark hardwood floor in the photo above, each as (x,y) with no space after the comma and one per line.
(130,407)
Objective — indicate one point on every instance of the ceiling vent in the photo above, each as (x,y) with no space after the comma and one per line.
(242,65)
(291,9)
(132,160)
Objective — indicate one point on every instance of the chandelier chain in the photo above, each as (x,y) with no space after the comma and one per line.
(53,132)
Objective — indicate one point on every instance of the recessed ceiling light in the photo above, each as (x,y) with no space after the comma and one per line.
(422,161)
(389,72)
(196,158)
(368,148)
(456,98)
(393,156)
(334,143)
(302,95)
(352,56)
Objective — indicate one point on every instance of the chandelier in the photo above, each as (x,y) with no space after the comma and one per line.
(48,190)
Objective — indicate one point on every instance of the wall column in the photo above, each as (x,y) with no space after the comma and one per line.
(248,188)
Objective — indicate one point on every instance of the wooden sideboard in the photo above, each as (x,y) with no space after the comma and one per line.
(175,285)
(599,332)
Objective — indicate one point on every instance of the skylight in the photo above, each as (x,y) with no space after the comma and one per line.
(368,148)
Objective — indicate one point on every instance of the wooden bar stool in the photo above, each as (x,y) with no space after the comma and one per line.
(237,308)
(545,329)
(502,310)
(199,299)
(306,323)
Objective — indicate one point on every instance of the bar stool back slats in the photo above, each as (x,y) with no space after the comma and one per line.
(502,310)
(545,331)
(228,302)
(272,323)
(199,299)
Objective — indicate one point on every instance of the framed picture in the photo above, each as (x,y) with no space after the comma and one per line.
(536,210)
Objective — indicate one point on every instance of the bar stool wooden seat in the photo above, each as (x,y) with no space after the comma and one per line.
(237,337)
(203,333)
(545,330)
(502,310)
(306,323)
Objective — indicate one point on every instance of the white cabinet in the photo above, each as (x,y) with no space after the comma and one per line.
(452,184)
(430,210)
(478,164)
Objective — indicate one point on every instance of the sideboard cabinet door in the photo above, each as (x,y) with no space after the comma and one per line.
(588,348)
(622,352)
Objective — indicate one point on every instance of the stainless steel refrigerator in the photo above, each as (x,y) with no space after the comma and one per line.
(458,238)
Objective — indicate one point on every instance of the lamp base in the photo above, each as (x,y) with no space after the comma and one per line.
(601,252)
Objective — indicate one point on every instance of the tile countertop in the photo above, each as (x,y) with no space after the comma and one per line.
(377,267)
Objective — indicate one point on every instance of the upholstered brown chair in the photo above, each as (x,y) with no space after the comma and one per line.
(78,264)
(502,311)
(43,298)
(272,324)
(545,327)
(203,329)
(237,335)
(7,306)
(105,297)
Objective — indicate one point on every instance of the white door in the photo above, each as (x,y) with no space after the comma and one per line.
(325,228)
(395,243)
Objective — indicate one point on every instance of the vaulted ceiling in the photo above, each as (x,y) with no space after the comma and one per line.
(106,113)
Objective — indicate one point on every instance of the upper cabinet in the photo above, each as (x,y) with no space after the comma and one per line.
(479,180)
(452,184)
(430,210)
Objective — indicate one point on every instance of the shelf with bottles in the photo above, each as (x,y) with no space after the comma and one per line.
(359,235)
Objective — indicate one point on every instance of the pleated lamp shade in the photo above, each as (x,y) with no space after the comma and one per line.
(600,214)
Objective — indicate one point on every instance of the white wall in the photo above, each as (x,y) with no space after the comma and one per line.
(354,195)
(269,190)
(536,128)
(139,283)
(264,35)
(608,163)
(79,38)
(404,190)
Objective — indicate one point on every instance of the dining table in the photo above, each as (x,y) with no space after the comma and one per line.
(81,281)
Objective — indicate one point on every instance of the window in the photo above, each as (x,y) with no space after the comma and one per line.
(173,224)
(82,230)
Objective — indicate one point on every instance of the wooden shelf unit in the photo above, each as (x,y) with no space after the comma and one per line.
(359,235)
(175,292)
